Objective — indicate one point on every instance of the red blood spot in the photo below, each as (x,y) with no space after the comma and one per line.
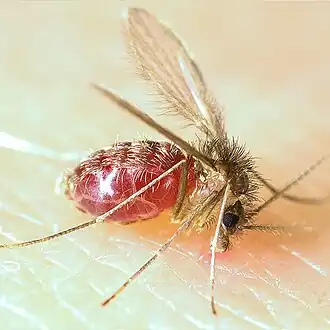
(206,256)
(111,175)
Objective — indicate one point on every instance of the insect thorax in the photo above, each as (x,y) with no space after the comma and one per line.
(232,163)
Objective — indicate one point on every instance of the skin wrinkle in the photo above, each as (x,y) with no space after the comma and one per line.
(22,313)
(178,251)
(29,219)
(282,290)
(79,316)
(33,152)
(262,326)
(171,306)
(57,263)
(219,267)
(287,292)
(238,314)
(181,253)
(81,248)
(11,142)
(268,304)
(10,267)
(22,216)
(314,266)
(166,302)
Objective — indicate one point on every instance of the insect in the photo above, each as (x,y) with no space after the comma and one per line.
(211,183)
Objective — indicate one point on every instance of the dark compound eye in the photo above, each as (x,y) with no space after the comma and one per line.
(230,219)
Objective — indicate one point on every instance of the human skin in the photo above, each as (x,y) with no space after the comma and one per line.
(268,65)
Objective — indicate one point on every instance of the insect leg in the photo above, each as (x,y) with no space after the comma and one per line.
(214,243)
(292,198)
(279,193)
(264,228)
(185,225)
(181,229)
(181,193)
(101,218)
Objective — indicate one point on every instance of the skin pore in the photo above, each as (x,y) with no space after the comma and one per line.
(269,71)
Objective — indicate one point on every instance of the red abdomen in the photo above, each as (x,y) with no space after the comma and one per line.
(111,175)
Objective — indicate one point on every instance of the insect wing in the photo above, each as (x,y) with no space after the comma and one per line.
(162,60)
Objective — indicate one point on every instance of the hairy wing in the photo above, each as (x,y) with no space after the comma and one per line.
(163,61)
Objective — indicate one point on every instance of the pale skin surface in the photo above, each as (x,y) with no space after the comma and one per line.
(267,64)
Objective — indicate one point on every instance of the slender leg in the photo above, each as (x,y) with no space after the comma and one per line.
(295,181)
(181,229)
(101,218)
(181,192)
(303,200)
(293,198)
(214,244)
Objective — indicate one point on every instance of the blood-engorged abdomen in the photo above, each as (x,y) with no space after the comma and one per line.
(111,175)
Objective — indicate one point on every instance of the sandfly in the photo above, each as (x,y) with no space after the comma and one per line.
(211,183)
